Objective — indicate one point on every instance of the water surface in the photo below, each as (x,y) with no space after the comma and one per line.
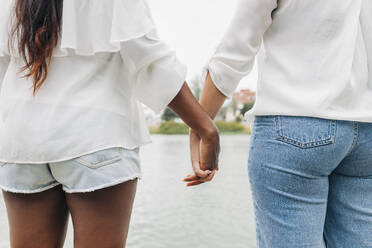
(169,215)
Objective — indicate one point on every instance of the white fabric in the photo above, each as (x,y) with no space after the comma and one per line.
(88,34)
(313,60)
(92,26)
(90,100)
(4,27)
(366,26)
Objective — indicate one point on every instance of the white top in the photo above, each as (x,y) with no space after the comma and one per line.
(313,60)
(109,57)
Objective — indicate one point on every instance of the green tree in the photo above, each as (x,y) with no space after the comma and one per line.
(246,107)
(168,115)
(196,86)
(239,118)
(171,127)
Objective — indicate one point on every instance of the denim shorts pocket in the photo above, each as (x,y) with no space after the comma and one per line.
(101,158)
(305,132)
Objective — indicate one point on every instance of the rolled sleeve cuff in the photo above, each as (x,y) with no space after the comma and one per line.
(225,81)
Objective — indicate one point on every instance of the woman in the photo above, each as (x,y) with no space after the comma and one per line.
(72,72)
(310,159)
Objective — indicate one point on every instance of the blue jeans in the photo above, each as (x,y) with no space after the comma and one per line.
(311,181)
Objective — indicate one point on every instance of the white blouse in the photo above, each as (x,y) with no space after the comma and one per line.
(316,57)
(109,58)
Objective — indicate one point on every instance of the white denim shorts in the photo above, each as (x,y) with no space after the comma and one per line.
(87,173)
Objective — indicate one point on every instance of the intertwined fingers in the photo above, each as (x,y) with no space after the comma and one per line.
(204,158)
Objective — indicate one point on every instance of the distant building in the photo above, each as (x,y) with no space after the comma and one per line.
(239,100)
(244,96)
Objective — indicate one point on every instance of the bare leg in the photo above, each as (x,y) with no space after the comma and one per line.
(101,218)
(37,220)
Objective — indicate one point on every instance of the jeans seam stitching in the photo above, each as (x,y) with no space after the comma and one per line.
(356,134)
(311,144)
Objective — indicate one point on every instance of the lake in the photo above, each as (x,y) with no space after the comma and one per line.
(167,214)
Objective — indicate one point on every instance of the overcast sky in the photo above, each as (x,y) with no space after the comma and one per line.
(194,28)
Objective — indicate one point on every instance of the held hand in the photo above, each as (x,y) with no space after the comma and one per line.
(209,152)
(205,142)
(204,157)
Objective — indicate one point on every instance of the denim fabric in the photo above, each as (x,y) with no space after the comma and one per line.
(86,173)
(311,180)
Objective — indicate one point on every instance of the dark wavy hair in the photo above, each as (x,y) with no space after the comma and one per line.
(36,30)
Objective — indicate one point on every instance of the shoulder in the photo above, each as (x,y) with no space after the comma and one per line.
(91,26)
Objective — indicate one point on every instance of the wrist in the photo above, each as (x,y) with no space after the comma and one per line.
(209,131)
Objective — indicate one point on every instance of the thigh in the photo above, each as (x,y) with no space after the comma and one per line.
(290,159)
(37,220)
(349,213)
(101,218)
(289,208)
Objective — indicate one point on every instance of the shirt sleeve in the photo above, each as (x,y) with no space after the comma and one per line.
(235,55)
(156,74)
(4,63)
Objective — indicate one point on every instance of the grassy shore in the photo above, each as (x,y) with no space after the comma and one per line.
(171,127)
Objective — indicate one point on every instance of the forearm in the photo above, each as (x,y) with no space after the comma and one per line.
(189,110)
(211,99)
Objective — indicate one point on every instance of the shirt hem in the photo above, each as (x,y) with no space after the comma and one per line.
(249,116)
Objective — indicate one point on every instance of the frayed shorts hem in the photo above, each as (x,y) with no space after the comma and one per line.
(107,185)
(87,173)
(27,191)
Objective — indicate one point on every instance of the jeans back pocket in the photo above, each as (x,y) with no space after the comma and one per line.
(100,158)
(305,132)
